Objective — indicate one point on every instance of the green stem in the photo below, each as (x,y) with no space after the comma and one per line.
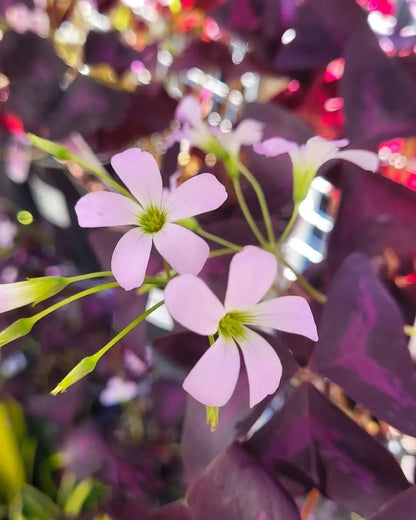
(125,331)
(71,299)
(103,176)
(211,340)
(221,252)
(217,240)
(89,276)
(167,270)
(289,224)
(303,282)
(262,201)
(246,212)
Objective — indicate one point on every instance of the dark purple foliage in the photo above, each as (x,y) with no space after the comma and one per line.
(235,487)
(362,346)
(379,96)
(323,28)
(376,217)
(108,48)
(312,443)
(401,507)
(174,511)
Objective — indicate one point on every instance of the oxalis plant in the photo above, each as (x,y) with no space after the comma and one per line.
(309,443)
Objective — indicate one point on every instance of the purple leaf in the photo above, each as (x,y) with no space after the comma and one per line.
(376,215)
(323,28)
(312,443)
(235,487)
(107,48)
(401,507)
(379,97)
(236,417)
(362,346)
(174,511)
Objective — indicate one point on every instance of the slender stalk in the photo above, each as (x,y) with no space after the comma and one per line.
(73,298)
(303,282)
(211,340)
(217,240)
(125,331)
(89,276)
(262,201)
(246,212)
(221,252)
(289,225)
(103,176)
(167,270)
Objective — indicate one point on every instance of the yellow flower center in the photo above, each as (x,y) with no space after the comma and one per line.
(152,220)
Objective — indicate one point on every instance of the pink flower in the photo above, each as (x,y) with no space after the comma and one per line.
(191,303)
(309,157)
(152,216)
(199,134)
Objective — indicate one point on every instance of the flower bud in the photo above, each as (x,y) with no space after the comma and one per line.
(84,367)
(57,150)
(16,330)
(34,290)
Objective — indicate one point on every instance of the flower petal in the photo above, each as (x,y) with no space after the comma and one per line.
(140,173)
(264,369)
(195,196)
(189,111)
(252,272)
(288,313)
(103,208)
(213,379)
(362,158)
(181,248)
(275,146)
(249,131)
(130,258)
(192,304)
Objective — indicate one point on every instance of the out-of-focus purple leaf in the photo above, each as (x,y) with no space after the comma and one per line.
(108,48)
(379,97)
(174,511)
(149,110)
(322,28)
(401,507)
(312,443)
(256,21)
(169,402)
(362,346)
(235,487)
(184,348)
(84,106)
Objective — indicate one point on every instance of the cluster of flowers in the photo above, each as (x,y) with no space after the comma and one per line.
(155,216)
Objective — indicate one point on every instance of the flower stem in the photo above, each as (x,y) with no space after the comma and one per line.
(103,176)
(88,363)
(262,201)
(246,212)
(289,225)
(89,276)
(73,298)
(221,252)
(217,240)
(303,282)
(125,331)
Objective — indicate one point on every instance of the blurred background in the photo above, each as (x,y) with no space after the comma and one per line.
(104,75)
